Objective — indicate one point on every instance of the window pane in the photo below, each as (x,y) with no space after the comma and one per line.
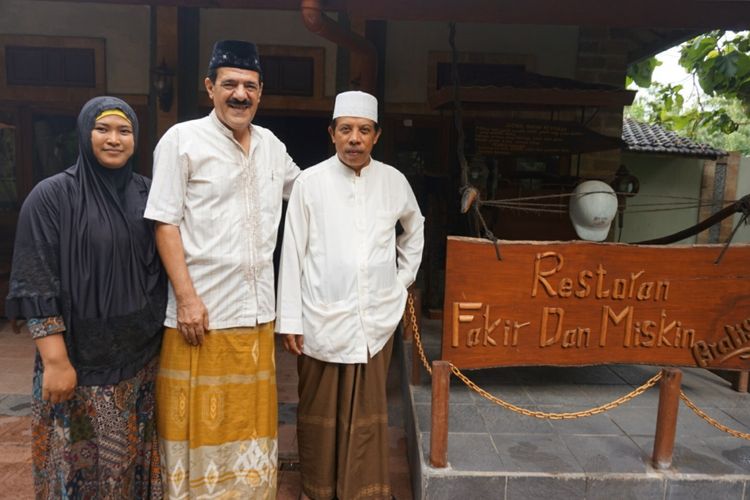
(50,66)
(55,144)
(288,75)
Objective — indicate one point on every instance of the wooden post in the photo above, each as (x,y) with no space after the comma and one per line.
(441,373)
(666,419)
(166,43)
(742,380)
(738,379)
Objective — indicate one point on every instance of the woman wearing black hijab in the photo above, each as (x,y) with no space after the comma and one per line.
(87,277)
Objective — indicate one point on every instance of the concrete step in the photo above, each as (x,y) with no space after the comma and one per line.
(494,453)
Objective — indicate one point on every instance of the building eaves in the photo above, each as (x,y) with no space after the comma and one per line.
(645,138)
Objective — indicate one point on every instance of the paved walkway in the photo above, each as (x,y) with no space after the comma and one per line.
(16,364)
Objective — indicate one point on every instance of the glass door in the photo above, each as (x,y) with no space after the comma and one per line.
(54,144)
(9,195)
(8,178)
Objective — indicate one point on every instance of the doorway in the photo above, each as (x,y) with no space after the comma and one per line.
(306,137)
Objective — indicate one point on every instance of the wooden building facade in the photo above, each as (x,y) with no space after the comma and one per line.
(535,77)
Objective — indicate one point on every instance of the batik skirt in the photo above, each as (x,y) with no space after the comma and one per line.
(100,444)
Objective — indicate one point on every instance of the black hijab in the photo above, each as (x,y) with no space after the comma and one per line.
(83,251)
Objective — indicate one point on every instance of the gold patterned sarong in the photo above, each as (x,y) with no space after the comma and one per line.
(217,414)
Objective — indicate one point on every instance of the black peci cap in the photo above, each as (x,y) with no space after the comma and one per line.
(235,54)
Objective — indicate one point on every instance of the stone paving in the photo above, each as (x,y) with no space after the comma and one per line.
(497,454)
(16,365)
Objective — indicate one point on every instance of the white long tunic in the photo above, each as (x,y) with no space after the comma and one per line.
(344,273)
(227,204)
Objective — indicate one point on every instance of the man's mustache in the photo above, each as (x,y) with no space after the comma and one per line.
(237,102)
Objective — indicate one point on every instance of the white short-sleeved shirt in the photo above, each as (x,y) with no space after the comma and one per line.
(227,205)
(344,273)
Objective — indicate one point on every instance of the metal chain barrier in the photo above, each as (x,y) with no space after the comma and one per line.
(710,420)
(557,416)
(415,333)
(510,406)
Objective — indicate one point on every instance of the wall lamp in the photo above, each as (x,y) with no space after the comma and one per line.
(625,185)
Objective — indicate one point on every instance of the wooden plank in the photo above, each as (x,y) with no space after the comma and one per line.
(580,303)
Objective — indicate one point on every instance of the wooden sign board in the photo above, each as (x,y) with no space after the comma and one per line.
(580,303)
(513,137)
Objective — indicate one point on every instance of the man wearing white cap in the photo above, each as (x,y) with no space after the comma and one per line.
(342,292)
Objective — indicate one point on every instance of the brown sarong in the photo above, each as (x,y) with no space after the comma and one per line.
(342,428)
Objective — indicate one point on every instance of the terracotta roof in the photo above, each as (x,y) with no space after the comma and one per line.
(644,138)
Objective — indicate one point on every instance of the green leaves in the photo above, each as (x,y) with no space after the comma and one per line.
(640,73)
(696,50)
(720,64)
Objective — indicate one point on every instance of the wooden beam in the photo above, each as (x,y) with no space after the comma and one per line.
(484,96)
(730,193)
(661,42)
(330,5)
(167,52)
(190,70)
(703,14)
(699,14)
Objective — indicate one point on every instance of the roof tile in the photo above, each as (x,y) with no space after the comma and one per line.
(645,138)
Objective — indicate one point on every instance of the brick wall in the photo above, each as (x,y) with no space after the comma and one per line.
(602,58)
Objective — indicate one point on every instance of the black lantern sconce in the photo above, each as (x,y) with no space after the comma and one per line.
(626,185)
(163,79)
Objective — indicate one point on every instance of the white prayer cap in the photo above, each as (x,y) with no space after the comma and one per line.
(357,104)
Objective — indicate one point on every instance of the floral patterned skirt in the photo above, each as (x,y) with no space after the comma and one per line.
(100,444)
